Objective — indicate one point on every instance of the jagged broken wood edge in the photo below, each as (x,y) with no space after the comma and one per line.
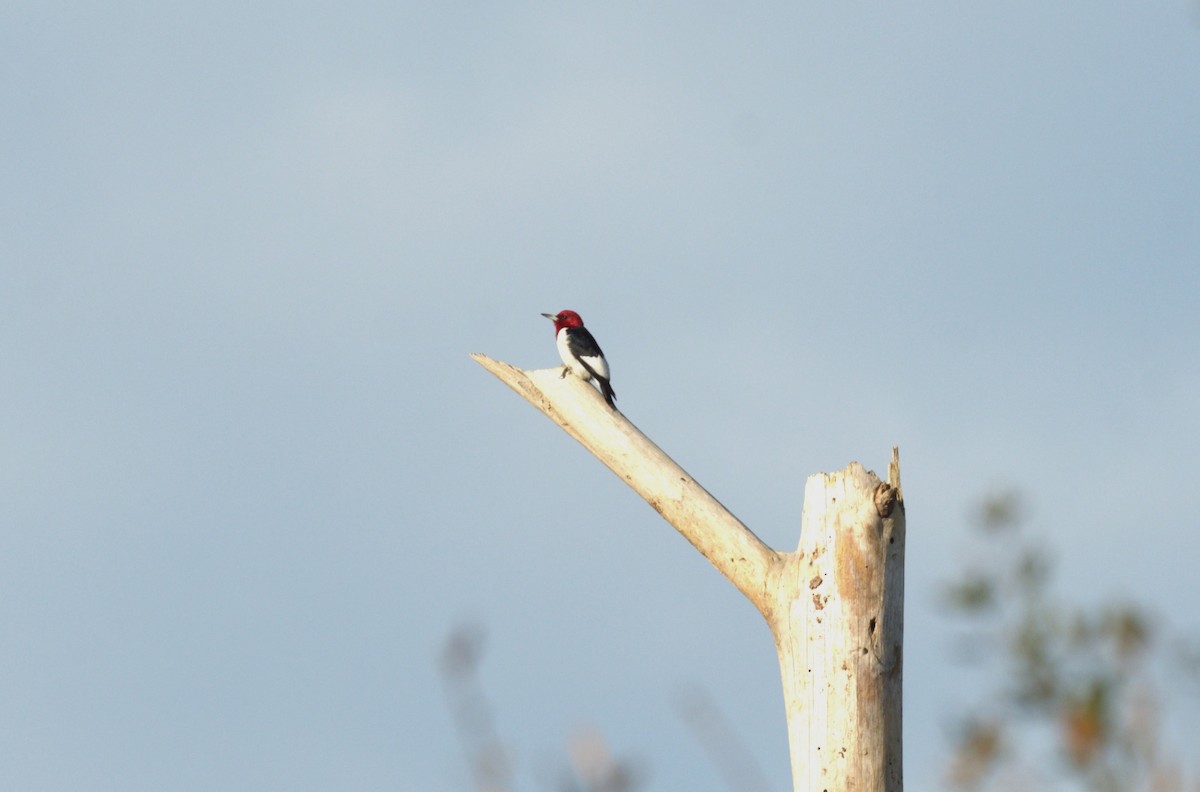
(725,541)
(843,538)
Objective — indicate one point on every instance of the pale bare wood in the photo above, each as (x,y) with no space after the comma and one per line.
(580,410)
(839,631)
(835,606)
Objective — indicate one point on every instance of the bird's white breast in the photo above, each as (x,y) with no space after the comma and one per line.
(598,364)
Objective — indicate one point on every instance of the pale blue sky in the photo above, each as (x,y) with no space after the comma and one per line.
(251,479)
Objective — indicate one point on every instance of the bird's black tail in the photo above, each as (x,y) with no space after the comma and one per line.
(609,393)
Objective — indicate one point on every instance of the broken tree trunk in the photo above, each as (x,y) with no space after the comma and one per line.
(835,606)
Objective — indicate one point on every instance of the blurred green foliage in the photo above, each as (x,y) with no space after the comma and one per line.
(1088,678)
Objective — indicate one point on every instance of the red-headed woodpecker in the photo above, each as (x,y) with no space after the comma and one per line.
(580,353)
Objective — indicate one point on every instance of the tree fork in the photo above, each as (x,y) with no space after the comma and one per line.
(835,605)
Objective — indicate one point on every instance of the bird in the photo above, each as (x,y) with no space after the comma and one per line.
(580,353)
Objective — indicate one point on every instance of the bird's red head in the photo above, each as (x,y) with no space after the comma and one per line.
(564,319)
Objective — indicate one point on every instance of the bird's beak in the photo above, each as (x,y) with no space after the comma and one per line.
(551,317)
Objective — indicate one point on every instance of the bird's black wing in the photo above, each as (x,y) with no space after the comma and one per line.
(583,343)
(584,347)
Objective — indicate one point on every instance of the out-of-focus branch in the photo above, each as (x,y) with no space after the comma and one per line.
(485,754)
(721,741)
